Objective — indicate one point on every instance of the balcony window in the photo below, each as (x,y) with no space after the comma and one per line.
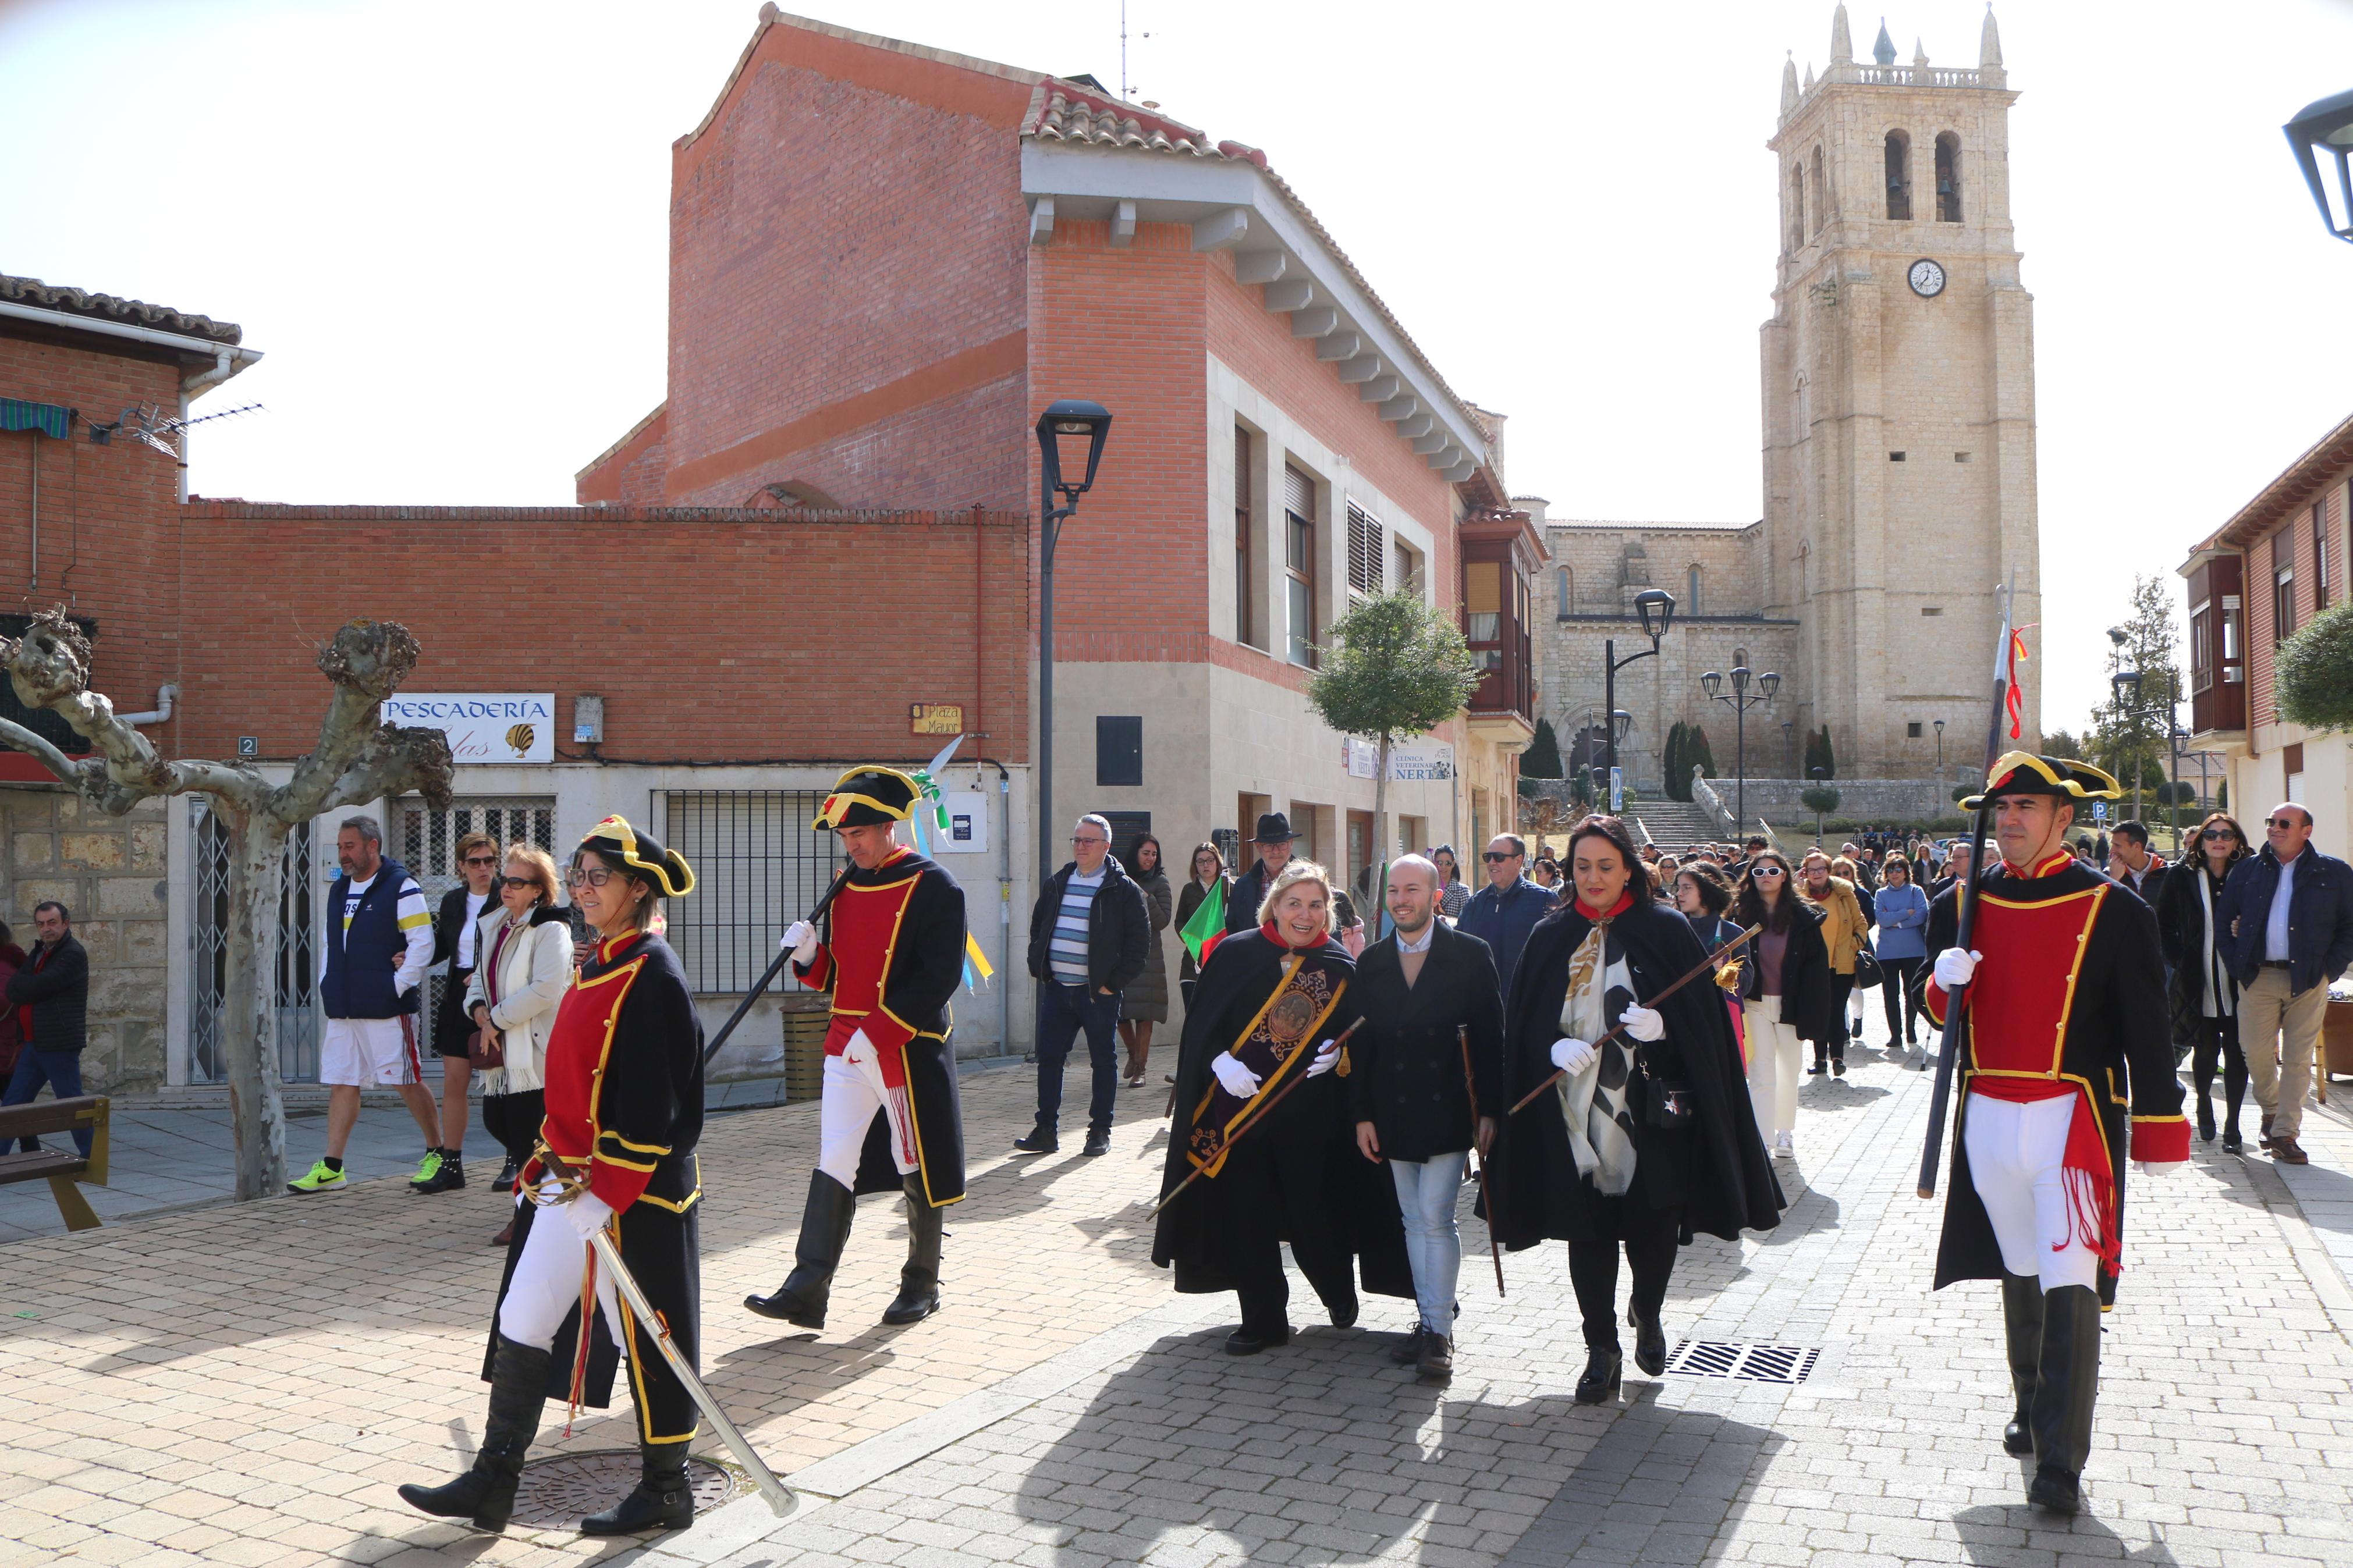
(1299,567)
(1482,611)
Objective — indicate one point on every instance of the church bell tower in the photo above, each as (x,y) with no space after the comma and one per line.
(1899,405)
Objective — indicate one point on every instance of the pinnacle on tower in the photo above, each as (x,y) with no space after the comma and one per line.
(1841,44)
(1809,76)
(1883,48)
(1919,56)
(1789,85)
(1989,44)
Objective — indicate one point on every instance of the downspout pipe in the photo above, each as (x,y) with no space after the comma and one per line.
(165,695)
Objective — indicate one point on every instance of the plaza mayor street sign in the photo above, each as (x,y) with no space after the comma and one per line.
(483,726)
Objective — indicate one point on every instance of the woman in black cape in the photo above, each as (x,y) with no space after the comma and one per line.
(1266,1005)
(1618,1177)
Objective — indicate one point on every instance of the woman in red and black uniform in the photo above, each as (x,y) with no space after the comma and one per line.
(624,1088)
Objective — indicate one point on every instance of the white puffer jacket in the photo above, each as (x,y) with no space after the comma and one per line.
(535,970)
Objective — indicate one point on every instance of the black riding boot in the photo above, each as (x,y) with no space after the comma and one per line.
(2067,1382)
(486,1493)
(825,1231)
(919,1279)
(662,1500)
(2022,1322)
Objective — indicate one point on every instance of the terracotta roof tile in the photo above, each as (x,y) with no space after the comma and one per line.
(110,307)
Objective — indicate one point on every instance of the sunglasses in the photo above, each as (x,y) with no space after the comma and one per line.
(1761,872)
(518,882)
(595,878)
(2218,833)
(2281,822)
(1493,858)
(482,859)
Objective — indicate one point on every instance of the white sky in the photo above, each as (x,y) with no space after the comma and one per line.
(445,225)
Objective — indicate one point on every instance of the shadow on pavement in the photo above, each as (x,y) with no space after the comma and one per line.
(1814,1209)
(2000,1535)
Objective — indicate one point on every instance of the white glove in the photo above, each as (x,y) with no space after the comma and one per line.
(1645,1024)
(587,1214)
(800,940)
(1954,968)
(1327,1055)
(1573,1057)
(859,1050)
(1238,1080)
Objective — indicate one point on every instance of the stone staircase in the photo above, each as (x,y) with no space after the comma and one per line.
(1675,825)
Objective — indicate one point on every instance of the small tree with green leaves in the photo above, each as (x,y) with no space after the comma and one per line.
(1820,800)
(1697,750)
(1542,759)
(1819,755)
(1582,788)
(1674,760)
(2312,673)
(2130,742)
(1395,665)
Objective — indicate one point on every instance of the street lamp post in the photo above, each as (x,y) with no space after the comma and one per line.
(1070,432)
(1655,607)
(1789,744)
(1817,774)
(1940,751)
(1712,683)
(2126,684)
(2326,125)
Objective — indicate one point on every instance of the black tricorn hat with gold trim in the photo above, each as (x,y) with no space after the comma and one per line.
(865,795)
(623,845)
(2023,772)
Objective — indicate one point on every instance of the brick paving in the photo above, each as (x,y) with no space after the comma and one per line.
(247,1385)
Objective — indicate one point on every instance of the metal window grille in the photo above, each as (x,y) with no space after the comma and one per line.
(428,841)
(1364,551)
(757,868)
(296,991)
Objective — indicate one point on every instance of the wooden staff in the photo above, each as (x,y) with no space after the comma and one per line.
(773,970)
(1486,1180)
(1706,966)
(1256,1117)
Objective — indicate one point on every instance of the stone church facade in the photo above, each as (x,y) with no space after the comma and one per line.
(1898,455)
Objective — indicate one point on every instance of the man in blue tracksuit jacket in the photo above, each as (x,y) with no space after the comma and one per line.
(1501,913)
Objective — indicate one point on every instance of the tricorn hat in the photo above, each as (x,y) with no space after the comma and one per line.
(868,795)
(616,840)
(2022,773)
(1273,827)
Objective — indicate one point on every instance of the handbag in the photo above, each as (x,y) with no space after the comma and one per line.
(1667,1104)
(1867,972)
(487,1048)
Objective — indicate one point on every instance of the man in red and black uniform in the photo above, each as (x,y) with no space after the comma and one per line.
(891,951)
(2068,1064)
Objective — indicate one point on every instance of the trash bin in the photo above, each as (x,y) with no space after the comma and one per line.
(805,1049)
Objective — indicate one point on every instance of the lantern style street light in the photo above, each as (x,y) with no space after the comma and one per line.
(1655,608)
(1712,683)
(1070,436)
(2326,126)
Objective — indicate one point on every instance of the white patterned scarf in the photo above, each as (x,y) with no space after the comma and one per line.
(1594,1102)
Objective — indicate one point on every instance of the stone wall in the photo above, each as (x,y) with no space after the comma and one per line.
(1886,800)
(110,872)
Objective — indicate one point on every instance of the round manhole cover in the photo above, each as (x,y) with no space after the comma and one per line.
(558,1492)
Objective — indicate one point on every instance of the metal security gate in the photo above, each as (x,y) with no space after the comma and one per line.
(757,868)
(300,886)
(425,841)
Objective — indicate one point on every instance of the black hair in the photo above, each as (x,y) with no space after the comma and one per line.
(2136,831)
(1611,830)
(1159,855)
(1715,887)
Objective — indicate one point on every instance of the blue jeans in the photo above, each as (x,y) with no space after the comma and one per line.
(1426,1191)
(61,1070)
(1063,1012)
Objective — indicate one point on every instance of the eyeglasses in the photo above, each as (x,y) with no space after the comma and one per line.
(595,877)
(1761,872)
(1076,842)
(482,859)
(1493,858)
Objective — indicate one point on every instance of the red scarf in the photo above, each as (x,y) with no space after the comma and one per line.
(1268,932)
(1625,902)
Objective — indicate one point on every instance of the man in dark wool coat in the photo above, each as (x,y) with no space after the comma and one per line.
(1267,1014)
(2068,1044)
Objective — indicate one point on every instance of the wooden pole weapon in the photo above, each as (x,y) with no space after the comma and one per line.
(1256,1117)
(1486,1174)
(1949,1046)
(770,973)
(1706,966)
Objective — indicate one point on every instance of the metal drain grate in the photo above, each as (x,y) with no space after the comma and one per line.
(1755,1363)
(559,1491)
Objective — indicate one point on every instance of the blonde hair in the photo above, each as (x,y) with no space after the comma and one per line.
(543,866)
(1291,876)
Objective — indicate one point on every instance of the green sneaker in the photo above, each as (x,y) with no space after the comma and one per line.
(319,1180)
(427,1168)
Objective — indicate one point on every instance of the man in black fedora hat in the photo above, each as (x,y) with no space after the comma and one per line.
(1273,844)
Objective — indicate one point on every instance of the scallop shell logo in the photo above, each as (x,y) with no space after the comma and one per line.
(520,738)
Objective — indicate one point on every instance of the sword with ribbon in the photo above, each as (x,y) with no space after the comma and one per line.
(778,1496)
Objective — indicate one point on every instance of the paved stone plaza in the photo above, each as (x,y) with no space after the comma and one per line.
(248,1384)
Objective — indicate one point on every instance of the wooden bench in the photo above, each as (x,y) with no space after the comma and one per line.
(61,1168)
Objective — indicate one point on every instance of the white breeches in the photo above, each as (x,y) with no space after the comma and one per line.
(2017,1159)
(546,1282)
(852,1092)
